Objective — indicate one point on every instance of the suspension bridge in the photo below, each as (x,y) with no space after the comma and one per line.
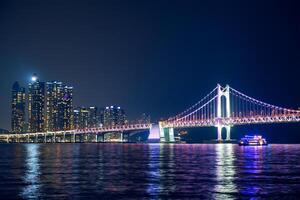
(223,108)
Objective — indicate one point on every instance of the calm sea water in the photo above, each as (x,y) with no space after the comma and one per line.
(154,171)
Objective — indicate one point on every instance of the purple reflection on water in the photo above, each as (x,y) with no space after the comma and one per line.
(156,171)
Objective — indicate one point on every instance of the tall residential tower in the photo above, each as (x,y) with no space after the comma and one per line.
(87,117)
(114,115)
(36,105)
(18,103)
(59,106)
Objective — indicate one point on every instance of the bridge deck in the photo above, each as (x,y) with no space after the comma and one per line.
(100,130)
(232,121)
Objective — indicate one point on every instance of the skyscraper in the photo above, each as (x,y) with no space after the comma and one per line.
(121,117)
(93,119)
(101,116)
(87,117)
(81,118)
(76,118)
(65,108)
(53,94)
(36,105)
(18,103)
(59,106)
(114,115)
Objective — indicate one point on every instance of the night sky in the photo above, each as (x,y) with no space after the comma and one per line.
(157,57)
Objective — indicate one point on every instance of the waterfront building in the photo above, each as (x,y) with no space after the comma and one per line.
(18,103)
(81,118)
(101,116)
(65,108)
(53,96)
(87,117)
(114,115)
(36,105)
(121,119)
(76,116)
(93,119)
(25,127)
(59,106)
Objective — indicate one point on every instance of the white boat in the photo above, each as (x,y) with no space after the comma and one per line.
(253,140)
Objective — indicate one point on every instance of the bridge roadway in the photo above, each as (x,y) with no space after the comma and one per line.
(231,121)
(76,135)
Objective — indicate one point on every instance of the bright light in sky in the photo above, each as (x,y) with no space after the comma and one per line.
(33,78)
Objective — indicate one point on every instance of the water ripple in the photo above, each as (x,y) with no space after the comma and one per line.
(154,171)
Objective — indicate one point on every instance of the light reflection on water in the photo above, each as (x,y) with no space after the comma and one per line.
(31,177)
(156,171)
(254,164)
(225,171)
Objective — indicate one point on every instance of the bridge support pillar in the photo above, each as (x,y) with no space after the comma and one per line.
(171,135)
(228,132)
(161,133)
(228,129)
(219,133)
(166,134)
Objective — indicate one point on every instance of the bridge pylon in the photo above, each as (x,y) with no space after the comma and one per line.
(166,134)
(228,129)
(223,92)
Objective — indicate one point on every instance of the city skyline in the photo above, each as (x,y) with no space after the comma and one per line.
(48,106)
(222,108)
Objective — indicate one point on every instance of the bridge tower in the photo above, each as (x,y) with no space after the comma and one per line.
(166,134)
(223,92)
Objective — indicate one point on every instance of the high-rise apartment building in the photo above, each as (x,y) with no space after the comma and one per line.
(87,117)
(114,115)
(36,105)
(18,103)
(93,119)
(81,118)
(59,106)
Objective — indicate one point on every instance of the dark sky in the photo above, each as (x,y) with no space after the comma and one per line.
(157,57)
